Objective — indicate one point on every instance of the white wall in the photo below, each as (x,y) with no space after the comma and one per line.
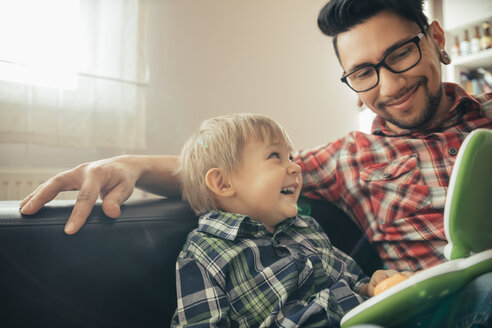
(458,12)
(220,56)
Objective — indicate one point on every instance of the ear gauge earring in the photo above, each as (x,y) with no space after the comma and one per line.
(444,57)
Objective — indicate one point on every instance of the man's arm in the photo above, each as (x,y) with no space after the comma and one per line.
(112,179)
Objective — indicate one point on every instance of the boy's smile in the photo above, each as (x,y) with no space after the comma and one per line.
(289,190)
(267,183)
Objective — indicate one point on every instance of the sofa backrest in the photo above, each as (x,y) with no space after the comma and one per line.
(112,273)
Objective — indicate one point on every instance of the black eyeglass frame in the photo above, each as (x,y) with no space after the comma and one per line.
(376,67)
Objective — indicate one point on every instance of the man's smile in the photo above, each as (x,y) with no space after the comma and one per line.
(403,102)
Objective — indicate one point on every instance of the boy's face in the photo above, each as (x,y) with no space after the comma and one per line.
(267,182)
(407,100)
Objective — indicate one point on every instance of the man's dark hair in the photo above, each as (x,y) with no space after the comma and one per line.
(339,16)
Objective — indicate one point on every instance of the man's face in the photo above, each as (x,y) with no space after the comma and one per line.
(407,100)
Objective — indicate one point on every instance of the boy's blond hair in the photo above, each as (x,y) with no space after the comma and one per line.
(218,143)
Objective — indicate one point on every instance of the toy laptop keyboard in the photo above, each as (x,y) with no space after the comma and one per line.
(468,228)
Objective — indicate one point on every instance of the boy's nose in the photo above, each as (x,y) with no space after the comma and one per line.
(293,169)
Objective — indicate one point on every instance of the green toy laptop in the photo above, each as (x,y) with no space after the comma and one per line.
(468,228)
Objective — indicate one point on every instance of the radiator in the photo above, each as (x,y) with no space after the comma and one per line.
(16,184)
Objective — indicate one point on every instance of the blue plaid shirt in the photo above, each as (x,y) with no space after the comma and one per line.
(232,272)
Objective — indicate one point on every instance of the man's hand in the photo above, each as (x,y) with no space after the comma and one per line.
(377,277)
(113,179)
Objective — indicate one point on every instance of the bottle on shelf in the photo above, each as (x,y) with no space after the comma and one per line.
(485,40)
(455,49)
(465,46)
(475,41)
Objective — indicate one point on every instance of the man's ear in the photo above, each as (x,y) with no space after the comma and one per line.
(218,182)
(437,34)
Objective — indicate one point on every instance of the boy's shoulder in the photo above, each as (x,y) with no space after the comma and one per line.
(308,221)
(306,218)
(199,242)
(211,244)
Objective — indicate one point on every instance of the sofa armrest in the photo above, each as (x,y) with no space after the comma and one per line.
(112,273)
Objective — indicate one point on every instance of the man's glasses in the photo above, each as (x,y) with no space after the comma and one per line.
(398,60)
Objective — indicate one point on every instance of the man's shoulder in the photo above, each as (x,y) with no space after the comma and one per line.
(460,95)
(351,142)
(485,102)
(485,99)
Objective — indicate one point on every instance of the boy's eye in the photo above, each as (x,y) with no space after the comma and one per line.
(291,158)
(274,155)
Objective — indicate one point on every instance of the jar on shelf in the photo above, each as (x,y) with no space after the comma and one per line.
(465,46)
(485,40)
(455,49)
(475,41)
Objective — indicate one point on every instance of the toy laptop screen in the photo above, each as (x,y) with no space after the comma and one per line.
(468,210)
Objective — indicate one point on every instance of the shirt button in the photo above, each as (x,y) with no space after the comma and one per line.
(452,151)
(386,175)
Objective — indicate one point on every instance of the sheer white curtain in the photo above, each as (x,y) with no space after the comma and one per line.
(73,73)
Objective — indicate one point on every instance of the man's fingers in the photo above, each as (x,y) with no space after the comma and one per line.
(106,178)
(82,208)
(25,200)
(28,197)
(27,210)
(113,200)
(43,194)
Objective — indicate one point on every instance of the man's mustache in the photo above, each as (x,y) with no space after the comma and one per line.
(421,82)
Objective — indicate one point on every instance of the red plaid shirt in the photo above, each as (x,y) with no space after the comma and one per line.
(394,185)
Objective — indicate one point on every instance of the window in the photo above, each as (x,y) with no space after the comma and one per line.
(73,73)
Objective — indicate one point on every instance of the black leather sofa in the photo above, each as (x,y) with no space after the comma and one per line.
(114,273)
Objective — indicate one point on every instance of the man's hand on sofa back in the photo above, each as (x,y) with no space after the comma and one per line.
(112,179)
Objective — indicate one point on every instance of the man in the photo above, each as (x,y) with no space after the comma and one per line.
(393,182)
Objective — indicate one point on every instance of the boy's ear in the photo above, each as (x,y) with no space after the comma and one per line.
(218,182)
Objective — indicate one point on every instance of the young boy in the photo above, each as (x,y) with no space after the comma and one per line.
(253,261)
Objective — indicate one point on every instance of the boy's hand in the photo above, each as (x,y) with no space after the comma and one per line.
(377,277)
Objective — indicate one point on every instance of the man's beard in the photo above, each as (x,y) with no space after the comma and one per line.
(425,116)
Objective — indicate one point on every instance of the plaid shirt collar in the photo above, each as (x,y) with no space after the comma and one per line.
(453,91)
(232,225)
